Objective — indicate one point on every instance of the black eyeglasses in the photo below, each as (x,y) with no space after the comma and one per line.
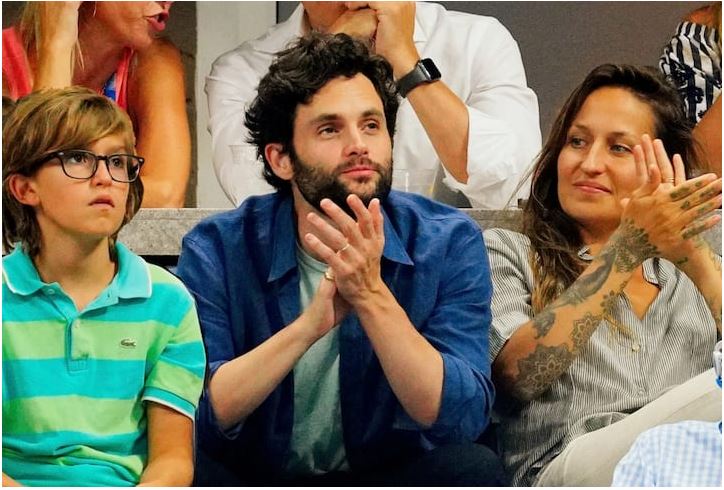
(83,164)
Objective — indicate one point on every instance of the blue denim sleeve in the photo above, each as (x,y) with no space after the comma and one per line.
(458,328)
(201,269)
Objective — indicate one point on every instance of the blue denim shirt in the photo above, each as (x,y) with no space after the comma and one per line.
(242,269)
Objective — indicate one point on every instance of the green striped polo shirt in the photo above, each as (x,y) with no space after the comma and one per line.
(74,383)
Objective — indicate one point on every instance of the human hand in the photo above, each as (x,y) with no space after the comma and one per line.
(361,23)
(58,24)
(394,36)
(352,249)
(326,310)
(666,214)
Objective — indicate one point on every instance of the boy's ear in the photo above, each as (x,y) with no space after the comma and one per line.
(23,189)
(279,161)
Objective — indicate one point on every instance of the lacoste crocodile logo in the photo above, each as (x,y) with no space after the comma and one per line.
(128,343)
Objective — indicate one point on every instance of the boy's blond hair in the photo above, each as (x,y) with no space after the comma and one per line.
(54,120)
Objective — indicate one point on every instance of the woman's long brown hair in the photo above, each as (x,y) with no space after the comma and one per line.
(554,236)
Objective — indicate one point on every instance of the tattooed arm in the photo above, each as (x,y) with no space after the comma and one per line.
(659,219)
(542,349)
(687,249)
(703,267)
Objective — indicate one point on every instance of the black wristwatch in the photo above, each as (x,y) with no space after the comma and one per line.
(425,71)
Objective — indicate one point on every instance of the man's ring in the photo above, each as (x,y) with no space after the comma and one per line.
(329,274)
(670,180)
(346,246)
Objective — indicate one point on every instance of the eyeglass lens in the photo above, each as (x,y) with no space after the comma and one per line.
(83,165)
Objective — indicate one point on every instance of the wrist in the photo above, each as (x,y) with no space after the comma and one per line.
(631,246)
(404,62)
(57,45)
(697,257)
(305,331)
(374,299)
(424,72)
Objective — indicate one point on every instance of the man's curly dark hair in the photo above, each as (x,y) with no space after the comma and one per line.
(298,73)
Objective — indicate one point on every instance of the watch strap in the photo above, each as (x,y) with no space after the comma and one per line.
(424,71)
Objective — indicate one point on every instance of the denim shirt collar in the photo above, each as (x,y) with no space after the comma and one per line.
(284,256)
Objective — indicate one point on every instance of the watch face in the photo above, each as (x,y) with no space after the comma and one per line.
(432,71)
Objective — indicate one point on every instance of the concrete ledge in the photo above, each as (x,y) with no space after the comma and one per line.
(158,232)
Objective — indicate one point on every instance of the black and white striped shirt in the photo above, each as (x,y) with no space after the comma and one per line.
(692,61)
(615,374)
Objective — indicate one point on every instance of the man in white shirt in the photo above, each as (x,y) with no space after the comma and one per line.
(467,108)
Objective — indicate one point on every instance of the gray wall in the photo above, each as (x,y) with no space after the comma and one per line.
(562,41)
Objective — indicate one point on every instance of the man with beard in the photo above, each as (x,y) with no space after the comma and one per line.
(346,326)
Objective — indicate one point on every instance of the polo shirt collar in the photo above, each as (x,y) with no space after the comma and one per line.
(277,38)
(284,256)
(133,279)
(20,274)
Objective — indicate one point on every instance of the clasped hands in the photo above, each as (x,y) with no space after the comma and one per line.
(352,248)
(389,25)
(670,209)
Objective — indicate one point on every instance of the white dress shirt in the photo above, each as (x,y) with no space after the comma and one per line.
(479,61)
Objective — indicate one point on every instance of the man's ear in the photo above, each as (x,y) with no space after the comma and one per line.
(280,162)
(23,189)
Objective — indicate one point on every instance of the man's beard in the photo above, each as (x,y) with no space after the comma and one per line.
(315,184)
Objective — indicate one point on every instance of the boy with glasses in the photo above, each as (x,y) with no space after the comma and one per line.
(103,362)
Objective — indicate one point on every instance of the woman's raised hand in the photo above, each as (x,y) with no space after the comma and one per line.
(666,210)
(58,25)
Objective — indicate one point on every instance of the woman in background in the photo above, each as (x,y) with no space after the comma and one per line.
(112,48)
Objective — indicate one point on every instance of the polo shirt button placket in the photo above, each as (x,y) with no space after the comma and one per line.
(78,355)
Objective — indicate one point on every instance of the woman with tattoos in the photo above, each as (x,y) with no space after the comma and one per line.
(607,306)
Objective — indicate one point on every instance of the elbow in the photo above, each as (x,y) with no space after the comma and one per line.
(222,413)
(426,411)
(163,194)
(524,394)
(185,475)
(426,418)
(508,380)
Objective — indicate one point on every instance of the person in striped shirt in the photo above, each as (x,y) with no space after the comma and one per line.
(103,362)
(607,306)
(692,61)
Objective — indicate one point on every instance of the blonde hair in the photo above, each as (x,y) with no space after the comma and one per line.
(54,120)
(31,34)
